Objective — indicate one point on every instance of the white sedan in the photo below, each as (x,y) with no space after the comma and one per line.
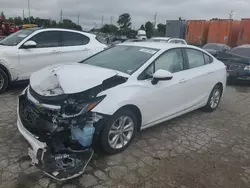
(29,50)
(104,100)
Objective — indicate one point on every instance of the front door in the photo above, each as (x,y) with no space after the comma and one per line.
(166,98)
(47,52)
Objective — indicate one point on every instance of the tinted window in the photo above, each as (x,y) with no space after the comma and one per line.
(73,39)
(241,51)
(171,61)
(17,37)
(195,58)
(126,59)
(47,39)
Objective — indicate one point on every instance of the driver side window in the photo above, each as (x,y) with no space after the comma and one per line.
(171,61)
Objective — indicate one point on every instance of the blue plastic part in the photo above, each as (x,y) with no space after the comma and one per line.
(83,136)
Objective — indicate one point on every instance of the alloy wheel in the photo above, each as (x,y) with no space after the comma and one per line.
(1,81)
(215,98)
(121,132)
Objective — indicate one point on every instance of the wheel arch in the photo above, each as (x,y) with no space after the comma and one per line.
(136,111)
(221,86)
(6,71)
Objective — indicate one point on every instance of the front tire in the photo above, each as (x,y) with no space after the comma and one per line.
(4,81)
(214,99)
(119,131)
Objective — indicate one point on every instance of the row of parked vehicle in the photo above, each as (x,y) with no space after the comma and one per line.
(199,32)
(84,95)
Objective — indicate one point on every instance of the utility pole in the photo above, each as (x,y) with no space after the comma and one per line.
(102,20)
(29,9)
(155,17)
(78,20)
(23,14)
(231,14)
(61,15)
(111,20)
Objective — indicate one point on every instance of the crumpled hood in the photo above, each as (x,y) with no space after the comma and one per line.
(68,78)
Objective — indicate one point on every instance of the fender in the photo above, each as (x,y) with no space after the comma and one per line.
(12,74)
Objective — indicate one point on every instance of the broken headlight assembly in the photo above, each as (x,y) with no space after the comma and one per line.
(74,108)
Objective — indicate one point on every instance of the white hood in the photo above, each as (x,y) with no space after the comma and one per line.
(68,78)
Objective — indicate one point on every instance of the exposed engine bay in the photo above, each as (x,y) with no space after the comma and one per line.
(67,126)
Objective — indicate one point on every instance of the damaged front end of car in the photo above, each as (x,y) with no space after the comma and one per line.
(61,130)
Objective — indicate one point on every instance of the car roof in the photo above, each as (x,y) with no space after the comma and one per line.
(161,38)
(244,46)
(219,44)
(60,29)
(158,45)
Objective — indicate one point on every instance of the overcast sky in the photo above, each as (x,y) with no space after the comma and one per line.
(91,11)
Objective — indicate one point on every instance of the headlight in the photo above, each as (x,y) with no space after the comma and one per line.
(247,67)
(75,108)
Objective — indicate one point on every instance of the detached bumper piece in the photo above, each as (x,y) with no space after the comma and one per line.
(52,147)
(66,165)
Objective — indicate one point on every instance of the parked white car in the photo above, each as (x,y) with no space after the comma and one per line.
(168,40)
(27,51)
(104,100)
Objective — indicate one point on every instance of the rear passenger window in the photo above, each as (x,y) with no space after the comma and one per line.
(73,39)
(195,58)
(207,59)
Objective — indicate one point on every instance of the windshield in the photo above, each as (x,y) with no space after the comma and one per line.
(126,59)
(240,51)
(212,46)
(16,38)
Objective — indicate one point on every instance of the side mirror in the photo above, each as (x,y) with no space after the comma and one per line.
(161,75)
(29,44)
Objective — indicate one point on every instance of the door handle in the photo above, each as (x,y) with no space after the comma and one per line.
(183,80)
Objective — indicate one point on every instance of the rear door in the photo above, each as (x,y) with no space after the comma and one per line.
(75,46)
(199,76)
(47,52)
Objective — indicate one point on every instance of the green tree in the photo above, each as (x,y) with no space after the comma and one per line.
(124,22)
(161,28)
(109,28)
(149,27)
(142,27)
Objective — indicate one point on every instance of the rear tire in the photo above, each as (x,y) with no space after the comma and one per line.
(214,99)
(4,81)
(114,137)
